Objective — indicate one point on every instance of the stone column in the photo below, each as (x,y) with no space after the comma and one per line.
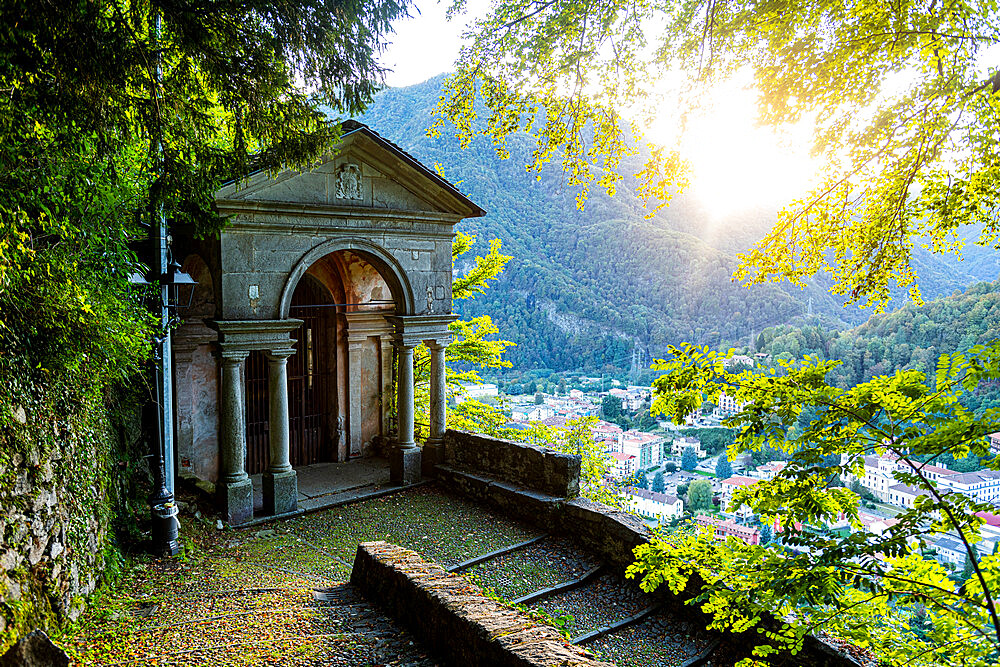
(355,391)
(404,462)
(438,397)
(280,482)
(234,489)
(385,386)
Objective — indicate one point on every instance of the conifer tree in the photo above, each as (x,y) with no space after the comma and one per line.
(658,482)
(723,469)
(689,460)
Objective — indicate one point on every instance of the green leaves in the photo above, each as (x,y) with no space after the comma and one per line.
(865,587)
(902,99)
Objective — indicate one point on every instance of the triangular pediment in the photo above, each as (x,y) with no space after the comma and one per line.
(366,172)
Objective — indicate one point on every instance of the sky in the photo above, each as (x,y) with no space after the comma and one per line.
(735,165)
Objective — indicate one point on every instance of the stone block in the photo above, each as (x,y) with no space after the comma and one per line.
(433,454)
(281,491)
(34,650)
(236,501)
(404,465)
(454,618)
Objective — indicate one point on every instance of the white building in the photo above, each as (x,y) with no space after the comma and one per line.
(476,392)
(653,505)
(728,405)
(729,486)
(902,495)
(768,470)
(680,444)
(622,465)
(983,486)
(539,413)
(646,447)
(878,477)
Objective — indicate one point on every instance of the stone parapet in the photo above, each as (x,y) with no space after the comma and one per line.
(537,469)
(481,468)
(453,617)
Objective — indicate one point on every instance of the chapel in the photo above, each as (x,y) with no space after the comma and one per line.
(298,346)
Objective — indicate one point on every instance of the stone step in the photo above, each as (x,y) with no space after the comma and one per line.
(660,639)
(604,601)
(545,563)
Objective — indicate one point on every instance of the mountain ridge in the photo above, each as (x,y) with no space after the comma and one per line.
(612,277)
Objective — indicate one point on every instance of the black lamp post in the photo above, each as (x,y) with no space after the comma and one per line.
(176,291)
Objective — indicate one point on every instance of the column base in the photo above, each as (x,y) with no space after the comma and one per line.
(432,454)
(281,492)
(404,465)
(236,501)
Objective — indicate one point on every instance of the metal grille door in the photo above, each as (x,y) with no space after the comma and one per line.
(257,413)
(307,380)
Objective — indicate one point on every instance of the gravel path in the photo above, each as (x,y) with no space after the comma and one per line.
(546,563)
(275,594)
(249,597)
(603,601)
(659,640)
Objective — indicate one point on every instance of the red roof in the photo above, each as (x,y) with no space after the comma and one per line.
(991,519)
(740,480)
(621,457)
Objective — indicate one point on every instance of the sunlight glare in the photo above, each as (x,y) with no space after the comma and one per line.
(737,166)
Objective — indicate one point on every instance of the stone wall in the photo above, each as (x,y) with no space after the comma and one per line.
(450,614)
(536,468)
(487,470)
(59,479)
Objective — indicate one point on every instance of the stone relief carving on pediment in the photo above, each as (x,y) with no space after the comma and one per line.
(349,181)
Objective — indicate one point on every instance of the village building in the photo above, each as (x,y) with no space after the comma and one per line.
(646,447)
(728,528)
(729,486)
(308,309)
(768,470)
(476,392)
(983,486)
(653,505)
(606,432)
(680,444)
(622,465)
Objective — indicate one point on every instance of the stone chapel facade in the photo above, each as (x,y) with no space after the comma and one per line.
(322,283)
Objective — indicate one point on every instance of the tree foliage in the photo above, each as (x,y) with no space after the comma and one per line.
(114,108)
(903,101)
(723,468)
(689,460)
(863,587)
(658,484)
(473,347)
(699,495)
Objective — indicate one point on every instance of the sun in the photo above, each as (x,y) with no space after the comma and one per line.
(736,165)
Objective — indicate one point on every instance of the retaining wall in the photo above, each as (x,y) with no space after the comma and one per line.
(450,614)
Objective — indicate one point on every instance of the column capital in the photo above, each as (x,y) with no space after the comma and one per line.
(404,342)
(231,355)
(438,342)
(279,354)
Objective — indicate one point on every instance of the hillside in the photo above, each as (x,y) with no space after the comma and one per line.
(584,287)
(911,337)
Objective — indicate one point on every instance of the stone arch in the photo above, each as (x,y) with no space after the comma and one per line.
(390,270)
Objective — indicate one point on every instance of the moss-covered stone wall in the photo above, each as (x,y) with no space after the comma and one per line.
(64,487)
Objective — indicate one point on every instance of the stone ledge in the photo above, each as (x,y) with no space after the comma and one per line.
(451,615)
(536,468)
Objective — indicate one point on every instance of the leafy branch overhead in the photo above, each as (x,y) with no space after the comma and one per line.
(902,97)
(864,587)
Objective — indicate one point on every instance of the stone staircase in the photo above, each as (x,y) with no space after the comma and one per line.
(589,600)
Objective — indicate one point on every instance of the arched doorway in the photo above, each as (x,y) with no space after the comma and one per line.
(340,371)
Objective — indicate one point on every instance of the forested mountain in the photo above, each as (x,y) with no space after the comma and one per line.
(585,287)
(911,337)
